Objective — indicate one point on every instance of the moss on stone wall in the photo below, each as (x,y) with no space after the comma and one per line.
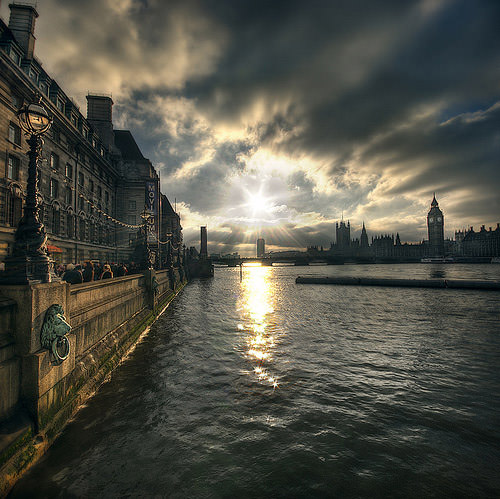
(19,443)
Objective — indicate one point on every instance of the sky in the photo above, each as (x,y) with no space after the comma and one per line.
(276,119)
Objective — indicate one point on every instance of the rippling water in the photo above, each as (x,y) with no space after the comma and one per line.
(258,387)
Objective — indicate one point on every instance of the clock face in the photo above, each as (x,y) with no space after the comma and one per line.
(439,219)
(431,219)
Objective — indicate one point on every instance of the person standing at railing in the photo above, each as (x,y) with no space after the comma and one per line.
(72,275)
(88,272)
(107,274)
(121,270)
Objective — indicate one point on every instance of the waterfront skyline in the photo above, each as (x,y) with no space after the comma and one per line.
(273,120)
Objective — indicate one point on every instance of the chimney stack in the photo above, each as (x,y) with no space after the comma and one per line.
(100,116)
(22,24)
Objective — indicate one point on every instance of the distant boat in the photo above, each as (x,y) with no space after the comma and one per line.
(437,259)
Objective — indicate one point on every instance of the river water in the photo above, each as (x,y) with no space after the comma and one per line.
(255,386)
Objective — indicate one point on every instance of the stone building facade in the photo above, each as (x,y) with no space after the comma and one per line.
(93,179)
(485,243)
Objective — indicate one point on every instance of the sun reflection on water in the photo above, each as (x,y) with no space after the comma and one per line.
(257,310)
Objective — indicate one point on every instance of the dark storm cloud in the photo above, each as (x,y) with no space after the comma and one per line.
(461,153)
(449,59)
(353,67)
(121,45)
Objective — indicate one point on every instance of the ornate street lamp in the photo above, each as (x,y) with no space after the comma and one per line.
(148,221)
(34,119)
(169,252)
(29,262)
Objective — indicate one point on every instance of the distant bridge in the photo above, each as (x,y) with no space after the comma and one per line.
(270,260)
(301,260)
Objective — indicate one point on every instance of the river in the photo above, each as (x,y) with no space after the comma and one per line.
(255,386)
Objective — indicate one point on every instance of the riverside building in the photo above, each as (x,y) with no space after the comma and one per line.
(261,248)
(94,181)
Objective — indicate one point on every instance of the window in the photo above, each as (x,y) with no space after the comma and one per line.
(56,220)
(74,120)
(33,76)
(14,134)
(14,56)
(69,170)
(13,167)
(106,197)
(14,209)
(60,105)
(82,229)
(99,192)
(16,101)
(56,136)
(54,161)
(81,203)
(132,205)
(132,219)
(44,88)
(91,185)
(69,195)
(69,225)
(81,179)
(54,188)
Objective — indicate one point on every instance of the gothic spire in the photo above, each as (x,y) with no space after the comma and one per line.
(434,202)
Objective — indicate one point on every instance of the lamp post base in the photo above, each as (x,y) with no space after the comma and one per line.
(26,269)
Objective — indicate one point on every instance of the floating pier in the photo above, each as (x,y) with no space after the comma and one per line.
(402,283)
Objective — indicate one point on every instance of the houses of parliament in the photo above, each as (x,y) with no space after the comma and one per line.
(468,244)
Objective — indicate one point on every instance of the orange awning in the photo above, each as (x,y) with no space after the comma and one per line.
(53,249)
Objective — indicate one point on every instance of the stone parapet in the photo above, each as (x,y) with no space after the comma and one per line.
(106,318)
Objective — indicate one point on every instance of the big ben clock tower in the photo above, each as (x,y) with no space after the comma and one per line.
(435,229)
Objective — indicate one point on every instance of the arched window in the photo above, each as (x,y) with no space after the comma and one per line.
(81,229)
(70,224)
(100,238)
(56,219)
(14,205)
(92,231)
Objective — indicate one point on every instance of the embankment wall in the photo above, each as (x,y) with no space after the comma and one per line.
(37,395)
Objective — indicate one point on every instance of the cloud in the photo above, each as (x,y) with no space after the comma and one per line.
(320,108)
(118,46)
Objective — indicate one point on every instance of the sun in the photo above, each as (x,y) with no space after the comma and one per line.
(253,202)
(258,203)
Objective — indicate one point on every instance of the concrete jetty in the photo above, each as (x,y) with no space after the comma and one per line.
(404,283)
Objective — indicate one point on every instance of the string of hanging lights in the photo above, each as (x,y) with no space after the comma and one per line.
(109,217)
(127,225)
